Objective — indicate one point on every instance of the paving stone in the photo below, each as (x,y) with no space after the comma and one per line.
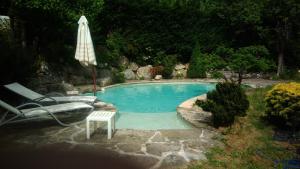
(158,148)
(141,161)
(129,147)
(172,161)
(158,138)
(195,155)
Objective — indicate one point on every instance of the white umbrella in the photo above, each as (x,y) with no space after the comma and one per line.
(85,53)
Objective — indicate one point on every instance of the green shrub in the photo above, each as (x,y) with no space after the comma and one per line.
(115,44)
(118,77)
(205,105)
(226,102)
(283,104)
(217,75)
(197,65)
(290,74)
(168,63)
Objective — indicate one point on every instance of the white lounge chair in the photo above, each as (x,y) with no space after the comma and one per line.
(37,111)
(59,98)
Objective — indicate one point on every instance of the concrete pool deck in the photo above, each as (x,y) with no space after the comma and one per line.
(129,148)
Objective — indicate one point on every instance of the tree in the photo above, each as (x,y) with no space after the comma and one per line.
(250,59)
(281,27)
(55,21)
(197,67)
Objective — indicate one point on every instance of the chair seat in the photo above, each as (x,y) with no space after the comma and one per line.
(55,108)
(89,99)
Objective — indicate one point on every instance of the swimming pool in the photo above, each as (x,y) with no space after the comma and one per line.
(151,105)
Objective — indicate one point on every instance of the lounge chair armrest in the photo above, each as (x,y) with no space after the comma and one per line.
(45,97)
(52,94)
(26,105)
(29,104)
(53,116)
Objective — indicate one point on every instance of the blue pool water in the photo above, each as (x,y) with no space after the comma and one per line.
(151,106)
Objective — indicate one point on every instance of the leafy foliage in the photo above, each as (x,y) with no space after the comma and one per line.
(118,77)
(226,102)
(115,44)
(249,142)
(168,63)
(142,30)
(250,59)
(197,67)
(283,104)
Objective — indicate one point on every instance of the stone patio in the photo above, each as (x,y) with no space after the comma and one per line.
(147,149)
(127,149)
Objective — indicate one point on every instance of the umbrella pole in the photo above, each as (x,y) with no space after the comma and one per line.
(94,80)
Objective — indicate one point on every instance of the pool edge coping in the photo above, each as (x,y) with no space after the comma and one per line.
(160,81)
(196,117)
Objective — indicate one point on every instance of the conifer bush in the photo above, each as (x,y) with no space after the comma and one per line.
(283,104)
(168,63)
(225,102)
(197,68)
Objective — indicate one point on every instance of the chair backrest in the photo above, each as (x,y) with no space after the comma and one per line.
(9,107)
(23,91)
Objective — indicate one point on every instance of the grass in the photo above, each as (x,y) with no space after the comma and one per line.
(248,143)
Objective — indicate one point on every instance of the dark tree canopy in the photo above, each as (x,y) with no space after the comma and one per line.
(140,29)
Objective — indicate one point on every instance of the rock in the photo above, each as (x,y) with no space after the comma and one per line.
(194,155)
(179,74)
(104,77)
(180,71)
(144,72)
(208,75)
(158,148)
(129,74)
(229,74)
(72,92)
(179,67)
(158,77)
(172,161)
(133,66)
(67,86)
(79,80)
(104,81)
(187,66)
(123,61)
(104,73)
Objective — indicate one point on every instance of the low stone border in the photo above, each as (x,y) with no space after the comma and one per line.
(194,114)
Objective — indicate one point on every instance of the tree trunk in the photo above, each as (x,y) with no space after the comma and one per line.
(280,63)
(240,78)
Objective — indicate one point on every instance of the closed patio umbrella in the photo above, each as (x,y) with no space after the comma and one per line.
(85,53)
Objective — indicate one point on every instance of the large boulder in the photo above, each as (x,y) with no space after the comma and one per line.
(105,81)
(79,80)
(179,67)
(179,74)
(67,86)
(103,73)
(133,66)
(144,72)
(158,77)
(123,61)
(229,74)
(180,71)
(129,74)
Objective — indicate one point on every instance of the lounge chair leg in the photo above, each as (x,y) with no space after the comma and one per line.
(87,129)
(114,123)
(95,125)
(109,129)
